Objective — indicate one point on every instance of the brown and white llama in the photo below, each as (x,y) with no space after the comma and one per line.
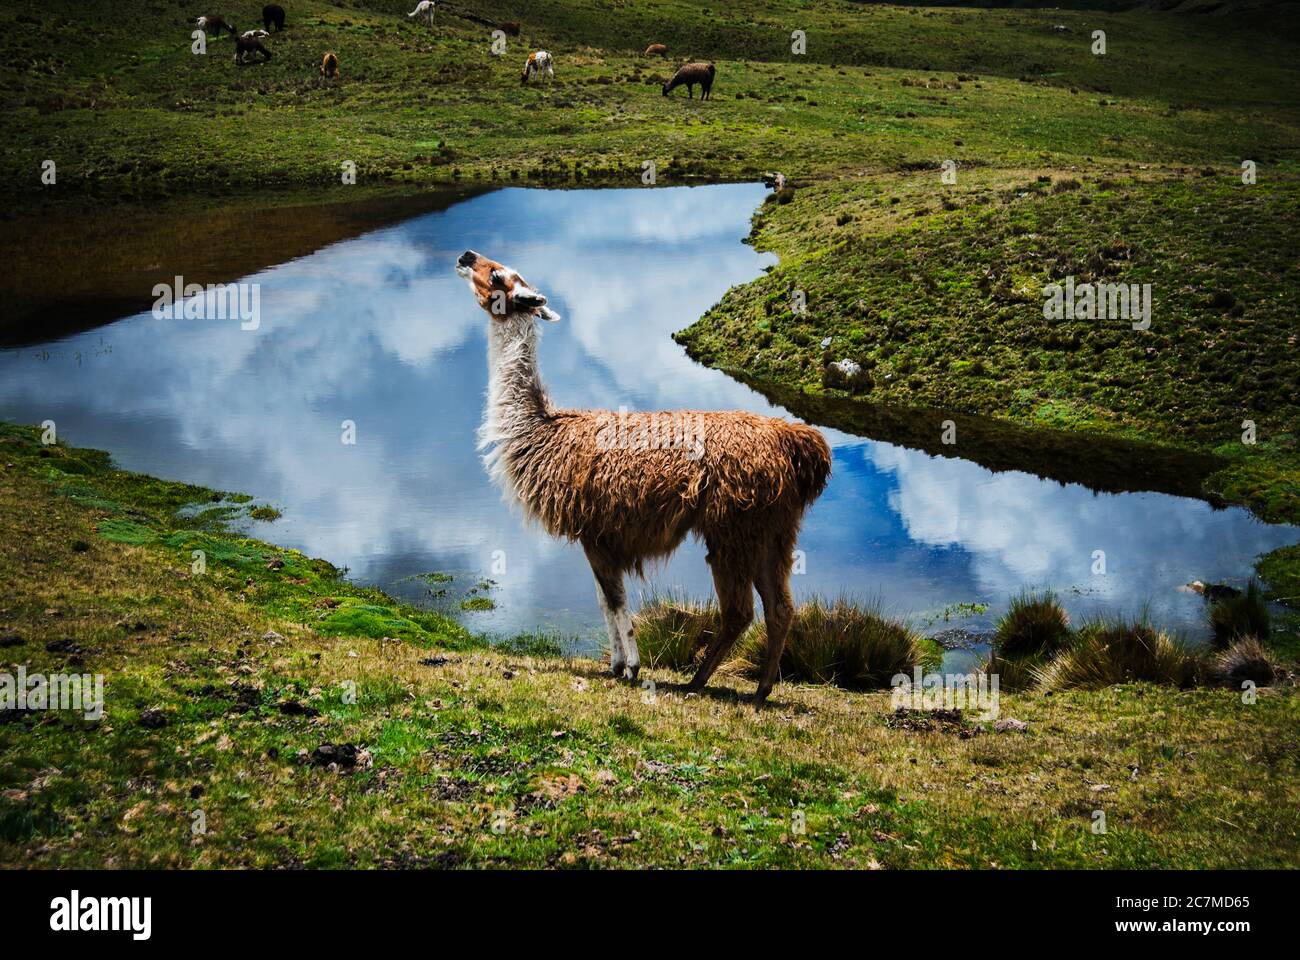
(741,485)
(540,65)
(213,25)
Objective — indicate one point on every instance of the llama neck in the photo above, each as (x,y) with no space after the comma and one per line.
(517,400)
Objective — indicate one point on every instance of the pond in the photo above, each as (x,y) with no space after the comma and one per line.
(377,330)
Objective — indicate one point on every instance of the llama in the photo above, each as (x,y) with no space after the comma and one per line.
(423,11)
(656,50)
(329,65)
(691,74)
(247,44)
(742,486)
(510,28)
(539,64)
(273,13)
(212,25)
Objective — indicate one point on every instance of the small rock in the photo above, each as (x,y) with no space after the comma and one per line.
(434,661)
(66,645)
(1011,724)
(153,719)
(271,637)
(276,564)
(827,342)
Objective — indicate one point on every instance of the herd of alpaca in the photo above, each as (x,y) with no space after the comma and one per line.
(250,41)
(743,489)
(540,65)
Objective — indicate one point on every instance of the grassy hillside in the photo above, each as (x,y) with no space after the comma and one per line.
(127,107)
(229,692)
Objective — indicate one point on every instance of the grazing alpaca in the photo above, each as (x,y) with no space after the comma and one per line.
(539,64)
(248,44)
(742,485)
(253,35)
(213,25)
(273,13)
(423,10)
(656,50)
(691,74)
(329,65)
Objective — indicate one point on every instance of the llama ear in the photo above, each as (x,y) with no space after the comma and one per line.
(527,297)
(546,313)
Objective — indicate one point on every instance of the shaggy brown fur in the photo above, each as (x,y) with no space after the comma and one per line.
(656,50)
(510,28)
(691,74)
(329,65)
(742,483)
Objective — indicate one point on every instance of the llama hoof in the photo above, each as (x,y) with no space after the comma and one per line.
(617,670)
(631,672)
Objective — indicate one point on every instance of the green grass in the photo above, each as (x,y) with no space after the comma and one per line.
(476,756)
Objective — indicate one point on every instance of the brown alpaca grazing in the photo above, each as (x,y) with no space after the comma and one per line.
(656,50)
(329,65)
(691,74)
(629,487)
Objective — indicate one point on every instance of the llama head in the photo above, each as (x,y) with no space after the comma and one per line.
(500,290)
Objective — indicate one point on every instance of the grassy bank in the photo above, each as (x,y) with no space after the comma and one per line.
(935,295)
(230,692)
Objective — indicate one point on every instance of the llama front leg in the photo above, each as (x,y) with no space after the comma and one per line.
(624,658)
(773,585)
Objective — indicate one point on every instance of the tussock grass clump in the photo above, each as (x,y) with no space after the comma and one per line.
(673,631)
(1245,615)
(1014,673)
(1246,659)
(841,643)
(1032,626)
(1109,652)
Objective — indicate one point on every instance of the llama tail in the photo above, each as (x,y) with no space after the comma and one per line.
(810,455)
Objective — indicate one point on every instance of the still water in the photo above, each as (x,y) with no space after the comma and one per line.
(379,331)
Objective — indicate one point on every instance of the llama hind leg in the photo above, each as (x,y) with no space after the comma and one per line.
(736,603)
(773,583)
